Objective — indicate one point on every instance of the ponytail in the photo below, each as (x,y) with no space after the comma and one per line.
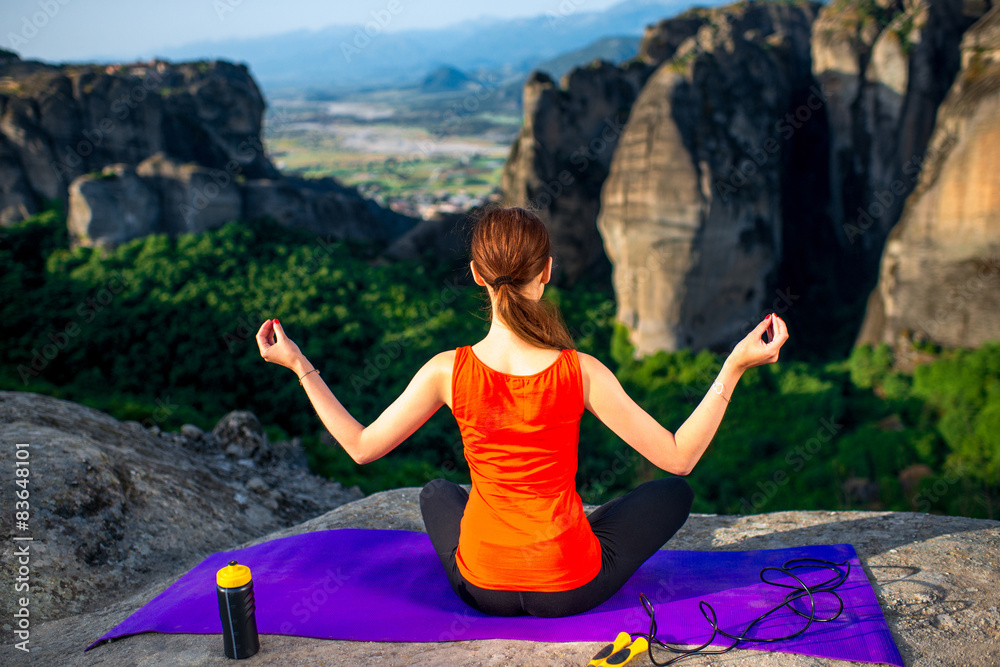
(512,243)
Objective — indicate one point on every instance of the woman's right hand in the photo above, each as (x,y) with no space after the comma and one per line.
(753,351)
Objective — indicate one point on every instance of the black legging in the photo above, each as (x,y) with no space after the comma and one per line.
(630,528)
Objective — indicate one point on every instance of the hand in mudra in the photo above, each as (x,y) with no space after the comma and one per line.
(275,347)
(754,351)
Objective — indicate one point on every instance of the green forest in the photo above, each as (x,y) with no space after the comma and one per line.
(161,330)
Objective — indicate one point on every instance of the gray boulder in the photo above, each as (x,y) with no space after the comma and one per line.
(323,206)
(193,133)
(193,198)
(114,505)
(111,207)
(442,236)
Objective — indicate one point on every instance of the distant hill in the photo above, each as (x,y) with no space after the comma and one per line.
(445,78)
(612,49)
(345,58)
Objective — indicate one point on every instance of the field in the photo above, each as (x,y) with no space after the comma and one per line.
(406,151)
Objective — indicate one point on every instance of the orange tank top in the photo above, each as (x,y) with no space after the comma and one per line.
(524,527)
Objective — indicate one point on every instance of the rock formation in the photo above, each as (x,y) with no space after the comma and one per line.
(884,69)
(940,274)
(693,211)
(935,577)
(112,207)
(113,504)
(561,156)
(190,131)
(768,180)
(442,236)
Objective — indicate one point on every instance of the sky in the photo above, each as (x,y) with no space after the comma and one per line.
(80,30)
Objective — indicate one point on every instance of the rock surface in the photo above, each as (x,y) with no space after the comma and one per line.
(113,207)
(884,69)
(940,274)
(192,131)
(114,505)
(760,169)
(443,236)
(560,158)
(192,198)
(936,578)
(693,210)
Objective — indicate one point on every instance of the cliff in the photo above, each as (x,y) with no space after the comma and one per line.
(884,69)
(753,158)
(939,279)
(561,156)
(156,147)
(694,208)
(124,510)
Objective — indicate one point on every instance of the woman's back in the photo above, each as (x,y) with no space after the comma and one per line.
(520,543)
(524,525)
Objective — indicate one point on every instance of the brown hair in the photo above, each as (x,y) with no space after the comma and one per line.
(513,241)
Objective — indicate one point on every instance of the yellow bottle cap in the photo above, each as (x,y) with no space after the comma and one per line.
(233,575)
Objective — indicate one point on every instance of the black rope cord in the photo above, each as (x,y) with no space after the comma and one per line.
(796,593)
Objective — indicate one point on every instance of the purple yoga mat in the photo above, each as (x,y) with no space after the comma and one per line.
(388,585)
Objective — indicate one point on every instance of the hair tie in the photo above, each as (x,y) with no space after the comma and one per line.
(502,280)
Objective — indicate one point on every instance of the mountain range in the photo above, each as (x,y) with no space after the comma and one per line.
(348,58)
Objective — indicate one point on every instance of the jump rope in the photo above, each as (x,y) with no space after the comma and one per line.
(796,592)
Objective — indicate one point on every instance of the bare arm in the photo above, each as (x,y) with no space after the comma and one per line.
(421,399)
(676,453)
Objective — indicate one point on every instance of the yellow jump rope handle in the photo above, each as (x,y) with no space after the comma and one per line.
(621,641)
(624,654)
(636,648)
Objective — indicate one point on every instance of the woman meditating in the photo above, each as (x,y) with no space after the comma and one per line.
(520,542)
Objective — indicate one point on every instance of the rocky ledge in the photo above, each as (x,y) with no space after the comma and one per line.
(935,576)
(121,511)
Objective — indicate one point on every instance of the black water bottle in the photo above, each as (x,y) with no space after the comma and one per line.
(236,608)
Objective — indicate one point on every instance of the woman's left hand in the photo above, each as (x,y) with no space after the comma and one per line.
(276,347)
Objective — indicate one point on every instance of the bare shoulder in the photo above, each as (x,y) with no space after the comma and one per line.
(444,359)
(589,364)
(443,365)
(592,370)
